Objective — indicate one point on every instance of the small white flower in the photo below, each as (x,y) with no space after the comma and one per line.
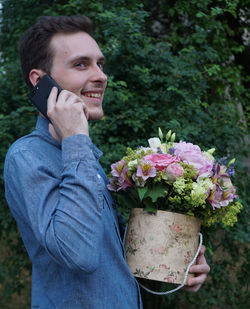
(203,176)
(154,142)
(200,189)
(133,163)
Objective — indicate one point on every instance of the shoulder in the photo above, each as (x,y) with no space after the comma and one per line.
(27,151)
(21,146)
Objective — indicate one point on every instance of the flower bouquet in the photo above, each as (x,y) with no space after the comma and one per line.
(171,188)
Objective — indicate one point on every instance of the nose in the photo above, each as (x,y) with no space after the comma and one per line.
(99,75)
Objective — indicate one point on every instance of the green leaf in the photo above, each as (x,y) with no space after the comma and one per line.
(156,191)
(127,199)
(141,192)
(150,206)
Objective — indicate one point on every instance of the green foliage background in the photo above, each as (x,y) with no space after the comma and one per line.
(180,65)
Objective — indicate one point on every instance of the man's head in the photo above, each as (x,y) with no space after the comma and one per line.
(35,50)
(63,48)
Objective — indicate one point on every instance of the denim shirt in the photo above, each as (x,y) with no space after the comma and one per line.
(68,222)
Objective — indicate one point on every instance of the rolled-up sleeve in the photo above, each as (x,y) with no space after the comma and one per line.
(64,213)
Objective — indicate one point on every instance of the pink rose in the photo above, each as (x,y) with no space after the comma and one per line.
(160,161)
(192,155)
(174,171)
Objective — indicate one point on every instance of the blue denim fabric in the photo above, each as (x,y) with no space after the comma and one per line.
(69,225)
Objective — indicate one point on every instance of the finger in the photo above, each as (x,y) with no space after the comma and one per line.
(201,260)
(52,99)
(202,250)
(70,97)
(83,106)
(85,110)
(201,254)
(191,288)
(65,97)
(201,257)
(197,280)
(201,268)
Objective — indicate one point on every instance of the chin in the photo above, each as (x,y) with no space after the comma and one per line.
(96,114)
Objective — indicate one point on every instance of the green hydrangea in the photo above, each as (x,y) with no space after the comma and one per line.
(179,185)
(227,215)
(199,191)
(230,216)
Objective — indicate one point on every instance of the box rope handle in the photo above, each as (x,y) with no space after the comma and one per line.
(186,273)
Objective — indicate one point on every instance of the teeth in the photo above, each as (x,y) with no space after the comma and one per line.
(93,95)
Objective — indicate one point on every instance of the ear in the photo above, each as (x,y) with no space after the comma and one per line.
(35,75)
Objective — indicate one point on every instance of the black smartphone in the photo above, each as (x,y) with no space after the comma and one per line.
(40,93)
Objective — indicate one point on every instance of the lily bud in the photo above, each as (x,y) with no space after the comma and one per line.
(211,151)
(168,135)
(160,134)
(231,162)
(172,137)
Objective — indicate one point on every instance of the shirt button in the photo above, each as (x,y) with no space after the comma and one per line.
(99,176)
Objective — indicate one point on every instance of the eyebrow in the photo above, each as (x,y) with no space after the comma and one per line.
(85,58)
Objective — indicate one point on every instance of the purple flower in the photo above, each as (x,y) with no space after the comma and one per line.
(125,180)
(171,151)
(117,168)
(139,182)
(230,170)
(223,192)
(146,170)
(120,183)
(113,184)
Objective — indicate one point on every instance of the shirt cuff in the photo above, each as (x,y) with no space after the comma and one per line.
(77,147)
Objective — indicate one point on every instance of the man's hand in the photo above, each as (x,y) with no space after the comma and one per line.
(68,115)
(200,269)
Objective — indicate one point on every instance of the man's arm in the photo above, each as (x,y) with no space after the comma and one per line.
(64,212)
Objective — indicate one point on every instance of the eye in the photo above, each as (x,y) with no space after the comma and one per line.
(101,66)
(80,65)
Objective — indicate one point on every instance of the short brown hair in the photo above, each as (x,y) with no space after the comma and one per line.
(34,47)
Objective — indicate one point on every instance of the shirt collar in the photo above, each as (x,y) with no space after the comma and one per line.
(42,125)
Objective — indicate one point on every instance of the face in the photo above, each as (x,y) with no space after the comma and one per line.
(78,67)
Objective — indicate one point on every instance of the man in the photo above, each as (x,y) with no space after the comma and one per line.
(55,186)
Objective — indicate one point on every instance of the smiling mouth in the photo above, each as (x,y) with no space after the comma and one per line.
(92,95)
